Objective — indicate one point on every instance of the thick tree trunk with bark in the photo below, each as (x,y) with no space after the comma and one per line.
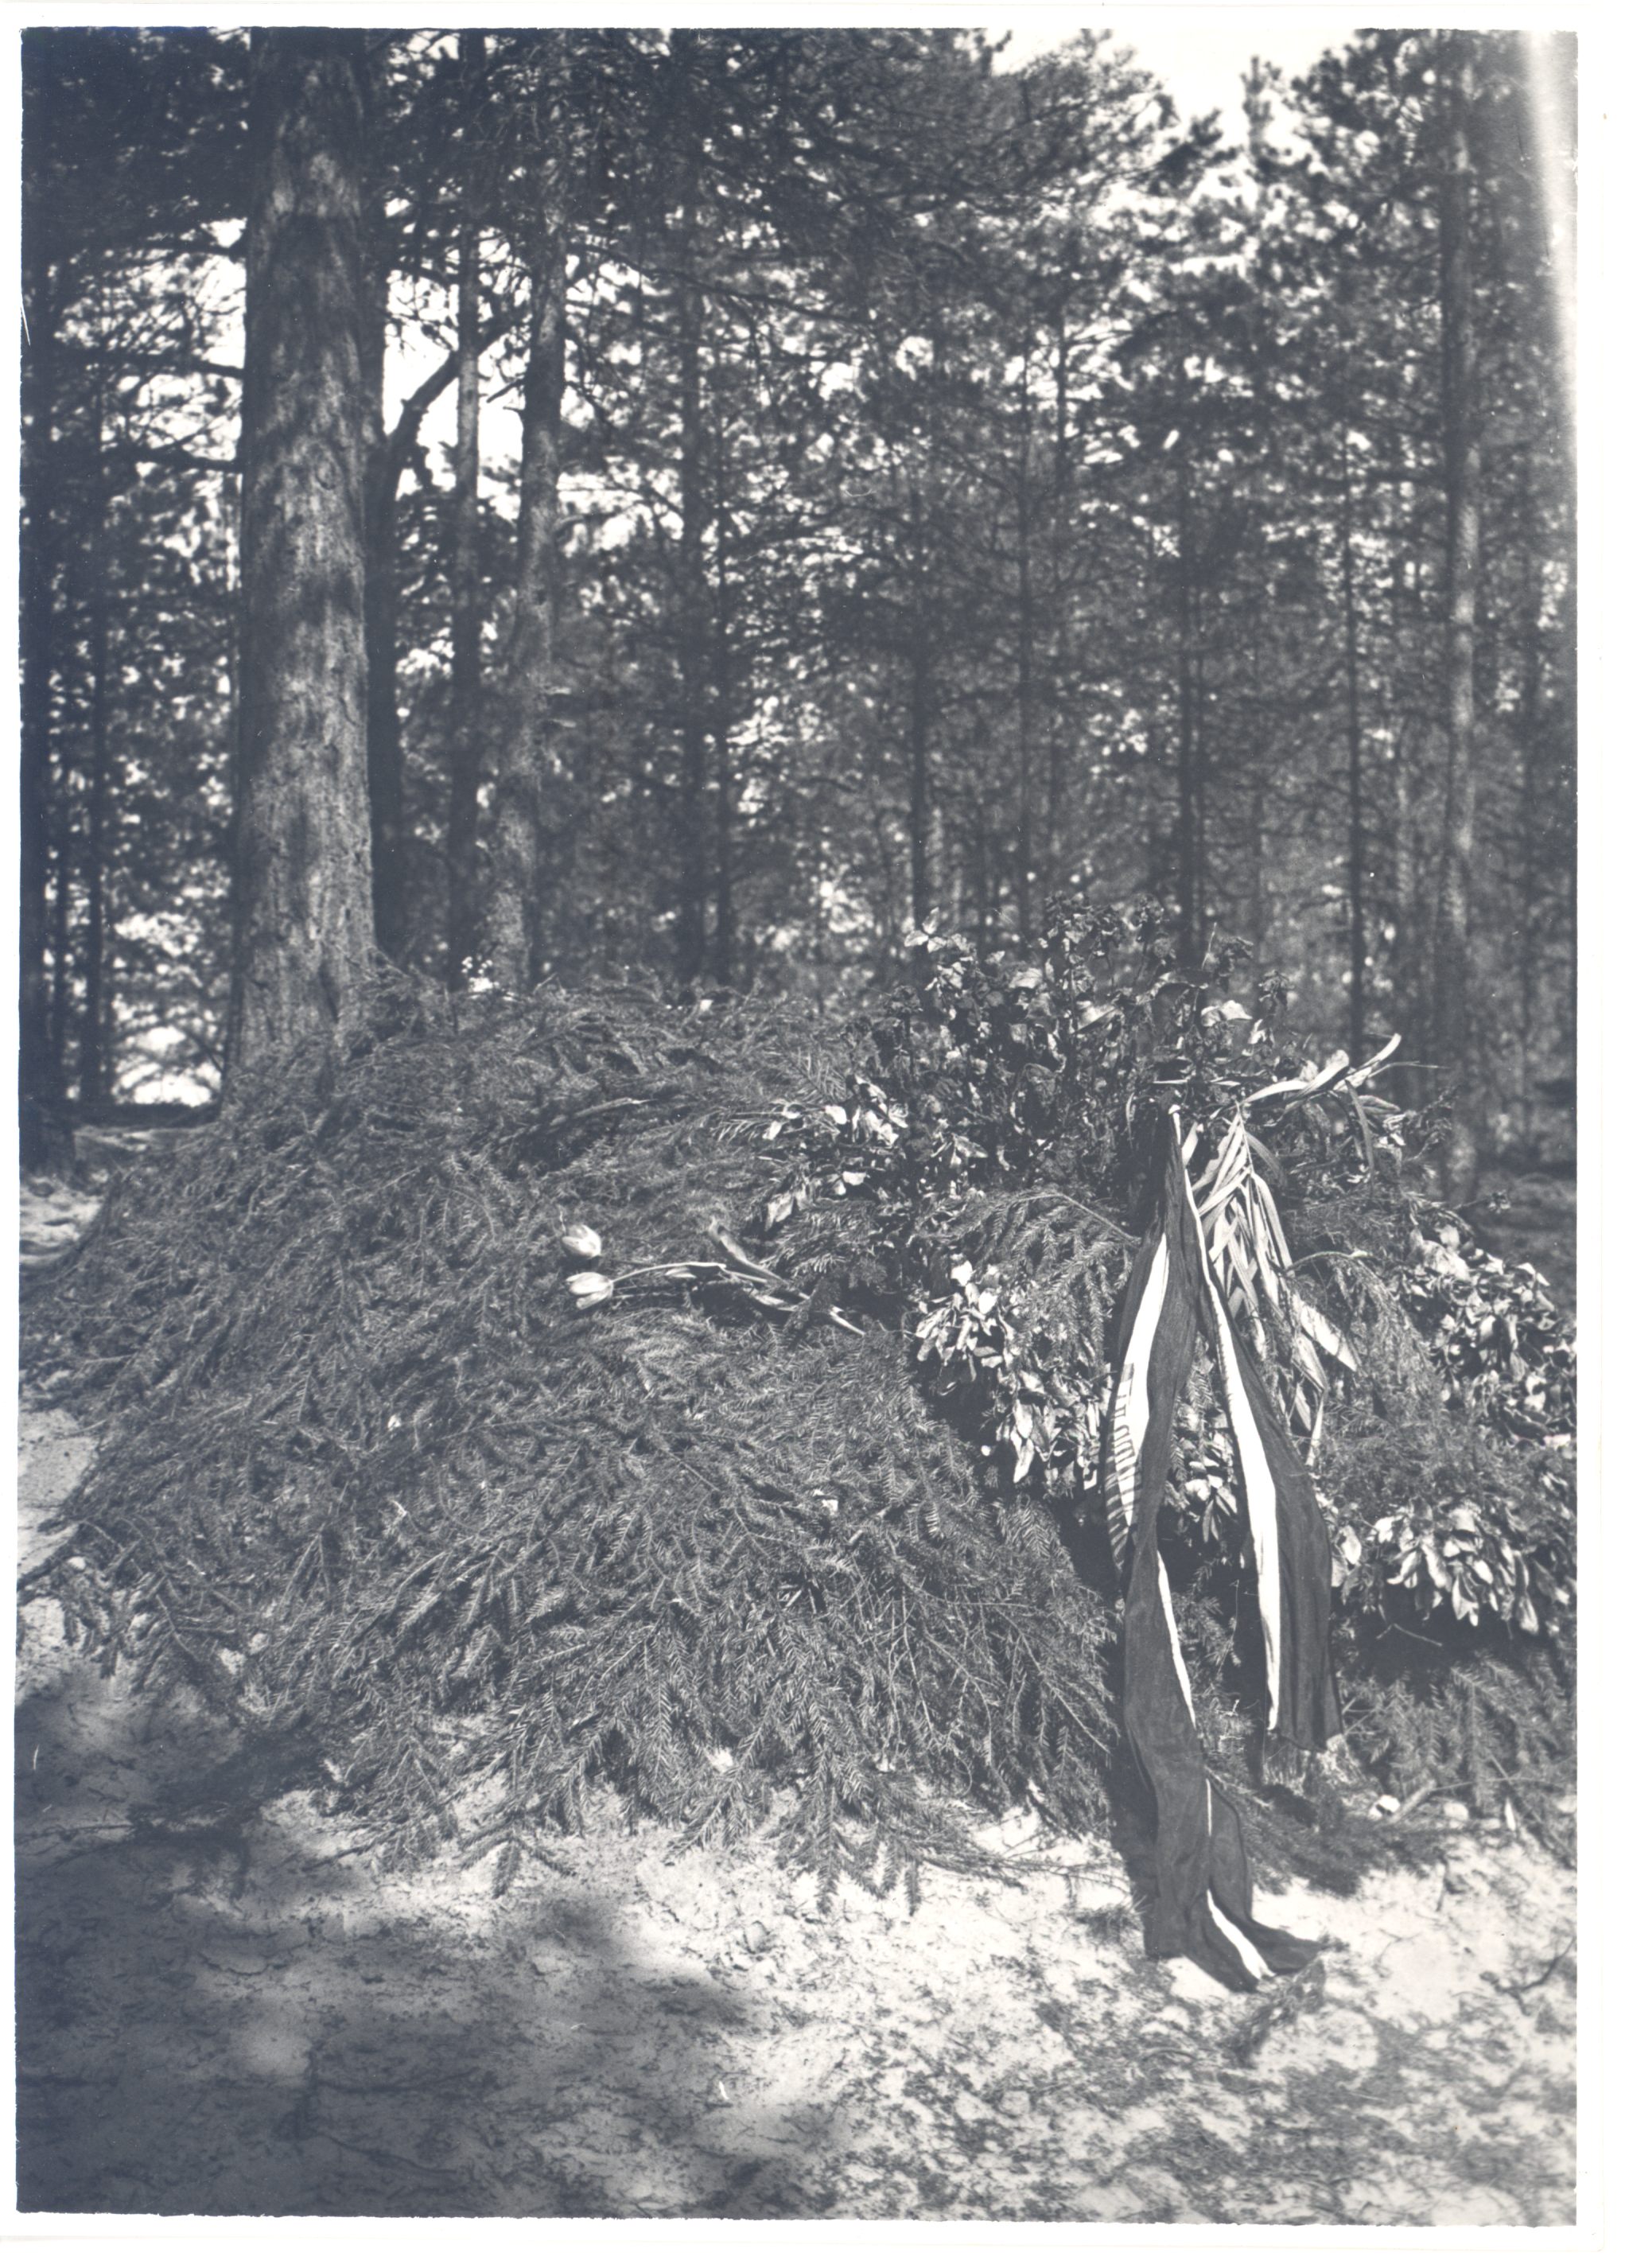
(724,694)
(464,783)
(93,1016)
(1026,666)
(96,598)
(1357,849)
(921,726)
(39,1062)
(1453,1039)
(303,913)
(1053,858)
(1395,787)
(64,862)
(384,721)
(1530,822)
(525,774)
(927,861)
(1190,877)
(690,928)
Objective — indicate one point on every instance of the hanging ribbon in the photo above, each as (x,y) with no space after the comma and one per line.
(1202,1875)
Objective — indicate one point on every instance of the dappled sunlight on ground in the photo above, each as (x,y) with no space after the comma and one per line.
(222,2010)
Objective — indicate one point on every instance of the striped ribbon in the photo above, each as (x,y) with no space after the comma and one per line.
(1202,1877)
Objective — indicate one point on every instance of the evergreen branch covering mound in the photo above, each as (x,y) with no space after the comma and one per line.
(468,1528)
(371,1481)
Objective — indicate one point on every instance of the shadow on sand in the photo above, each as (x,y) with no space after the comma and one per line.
(228,2015)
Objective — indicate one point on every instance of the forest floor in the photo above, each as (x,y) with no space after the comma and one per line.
(232,2013)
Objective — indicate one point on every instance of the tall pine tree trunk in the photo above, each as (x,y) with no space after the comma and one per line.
(1026,665)
(525,774)
(1411,920)
(464,785)
(64,863)
(1531,823)
(924,816)
(724,940)
(384,721)
(1357,849)
(1408,993)
(920,820)
(93,1017)
(690,928)
(1453,1023)
(303,910)
(690,936)
(1190,802)
(1201,787)
(1259,915)
(1052,853)
(38,1059)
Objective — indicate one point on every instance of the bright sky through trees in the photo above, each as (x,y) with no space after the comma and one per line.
(1199,53)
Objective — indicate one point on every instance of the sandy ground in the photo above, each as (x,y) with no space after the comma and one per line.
(231,2014)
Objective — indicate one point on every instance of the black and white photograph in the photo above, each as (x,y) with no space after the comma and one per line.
(798,1068)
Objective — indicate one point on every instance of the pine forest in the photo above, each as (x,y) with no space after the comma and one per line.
(818,484)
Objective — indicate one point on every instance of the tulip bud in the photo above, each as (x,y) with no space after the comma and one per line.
(590,1290)
(580,1241)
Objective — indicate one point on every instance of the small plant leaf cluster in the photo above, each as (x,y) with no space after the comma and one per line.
(1492,1331)
(1464,1557)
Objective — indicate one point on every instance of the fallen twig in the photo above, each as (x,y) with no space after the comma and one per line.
(1532,1985)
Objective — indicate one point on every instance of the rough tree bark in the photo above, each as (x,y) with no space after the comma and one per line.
(1357,849)
(64,864)
(1531,822)
(1395,793)
(39,1061)
(927,867)
(303,912)
(724,939)
(690,926)
(1053,861)
(1190,874)
(464,782)
(388,454)
(922,707)
(93,1037)
(524,767)
(1026,662)
(1452,1037)
(381,483)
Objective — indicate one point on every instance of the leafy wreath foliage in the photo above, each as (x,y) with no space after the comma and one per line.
(950,1176)
(1492,1331)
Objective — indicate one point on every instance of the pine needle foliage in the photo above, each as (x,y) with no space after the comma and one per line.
(371,1479)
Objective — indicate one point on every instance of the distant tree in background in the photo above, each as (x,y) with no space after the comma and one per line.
(39,1067)
(132,163)
(1429,356)
(465,757)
